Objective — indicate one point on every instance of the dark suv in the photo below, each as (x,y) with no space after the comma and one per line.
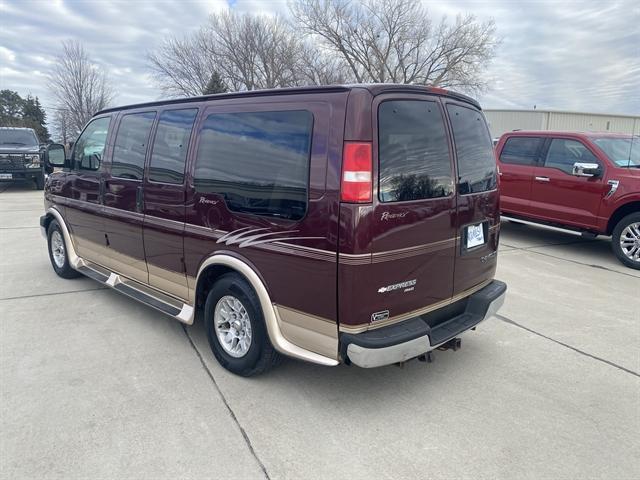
(20,156)
(354,224)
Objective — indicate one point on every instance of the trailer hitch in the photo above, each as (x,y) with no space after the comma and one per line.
(453,344)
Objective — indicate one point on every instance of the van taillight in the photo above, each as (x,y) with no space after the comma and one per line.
(357,172)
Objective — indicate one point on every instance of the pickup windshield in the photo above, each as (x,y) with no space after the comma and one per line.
(18,137)
(624,152)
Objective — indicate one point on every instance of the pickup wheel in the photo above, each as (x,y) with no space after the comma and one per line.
(235,327)
(39,182)
(625,240)
(58,252)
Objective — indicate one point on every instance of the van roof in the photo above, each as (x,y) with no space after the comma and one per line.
(374,88)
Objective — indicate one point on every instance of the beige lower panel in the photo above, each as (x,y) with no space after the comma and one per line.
(131,267)
(168,281)
(114,261)
(90,250)
(405,316)
(312,333)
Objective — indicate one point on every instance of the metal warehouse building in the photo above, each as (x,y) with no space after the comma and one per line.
(501,121)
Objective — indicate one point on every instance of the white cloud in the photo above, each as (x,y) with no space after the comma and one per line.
(576,55)
(7,55)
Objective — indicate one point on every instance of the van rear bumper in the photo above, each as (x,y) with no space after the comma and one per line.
(414,337)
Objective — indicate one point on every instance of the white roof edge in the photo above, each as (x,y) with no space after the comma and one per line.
(540,110)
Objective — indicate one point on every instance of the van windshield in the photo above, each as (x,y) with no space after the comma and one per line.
(624,152)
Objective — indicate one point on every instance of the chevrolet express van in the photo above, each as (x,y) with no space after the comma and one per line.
(354,224)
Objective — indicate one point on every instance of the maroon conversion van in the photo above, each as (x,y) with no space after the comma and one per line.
(355,224)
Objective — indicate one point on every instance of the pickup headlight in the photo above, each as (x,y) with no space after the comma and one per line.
(32,161)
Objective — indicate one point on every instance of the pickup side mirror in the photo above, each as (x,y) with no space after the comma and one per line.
(586,169)
(54,156)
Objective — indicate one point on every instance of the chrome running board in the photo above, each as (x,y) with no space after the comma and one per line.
(542,225)
(143,293)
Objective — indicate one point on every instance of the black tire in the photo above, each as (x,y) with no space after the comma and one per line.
(39,182)
(633,218)
(260,356)
(65,270)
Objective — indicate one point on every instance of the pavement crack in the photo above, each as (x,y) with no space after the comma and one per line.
(592,265)
(20,297)
(16,228)
(226,404)
(577,350)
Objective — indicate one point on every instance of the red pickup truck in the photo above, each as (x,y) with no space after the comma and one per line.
(585,182)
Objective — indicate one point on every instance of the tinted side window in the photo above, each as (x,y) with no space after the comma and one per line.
(170,146)
(259,162)
(413,151)
(564,153)
(131,145)
(89,148)
(476,160)
(521,150)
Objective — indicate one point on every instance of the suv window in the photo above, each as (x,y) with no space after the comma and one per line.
(476,158)
(170,146)
(130,147)
(413,151)
(563,153)
(89,148)
(258,161)
(521,150)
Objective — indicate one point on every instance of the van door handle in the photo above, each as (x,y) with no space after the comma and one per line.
(542,179)
(139,199)
(103,187)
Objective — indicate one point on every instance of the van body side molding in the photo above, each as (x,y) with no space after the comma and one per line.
(276,336)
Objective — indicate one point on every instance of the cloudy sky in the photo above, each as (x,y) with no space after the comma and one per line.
(565,55)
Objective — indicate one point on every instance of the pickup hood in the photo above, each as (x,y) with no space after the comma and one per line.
(17,149)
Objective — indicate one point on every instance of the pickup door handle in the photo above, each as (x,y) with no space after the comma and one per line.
(542,179)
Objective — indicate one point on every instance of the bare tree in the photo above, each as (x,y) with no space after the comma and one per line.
(253,51)
(396,41)
(183,67)
(62,126)
(247,51)
(79,85)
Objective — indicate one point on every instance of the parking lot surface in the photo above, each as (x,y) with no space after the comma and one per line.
(96,386)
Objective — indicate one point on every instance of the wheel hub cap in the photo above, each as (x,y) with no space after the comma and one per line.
(57,249)
(233,326)
(630,241)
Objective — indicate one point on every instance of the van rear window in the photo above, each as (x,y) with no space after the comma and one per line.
(258,161)
(476,159)
(413,151)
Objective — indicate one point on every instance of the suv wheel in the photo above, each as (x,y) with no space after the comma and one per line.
(235,327)
(58,252)
(626,240)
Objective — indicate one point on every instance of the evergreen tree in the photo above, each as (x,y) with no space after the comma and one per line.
(215,85)
(16,111)
(34,116)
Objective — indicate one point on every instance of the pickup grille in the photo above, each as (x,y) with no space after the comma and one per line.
(11,161)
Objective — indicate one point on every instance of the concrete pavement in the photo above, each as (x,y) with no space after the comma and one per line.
(96,386)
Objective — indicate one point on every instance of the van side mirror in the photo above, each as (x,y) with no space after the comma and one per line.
(55,156)
(586,169)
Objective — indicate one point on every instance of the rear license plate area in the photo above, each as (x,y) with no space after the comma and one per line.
(474,235)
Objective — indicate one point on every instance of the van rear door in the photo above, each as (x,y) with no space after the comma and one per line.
(409,226)
(478,217)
